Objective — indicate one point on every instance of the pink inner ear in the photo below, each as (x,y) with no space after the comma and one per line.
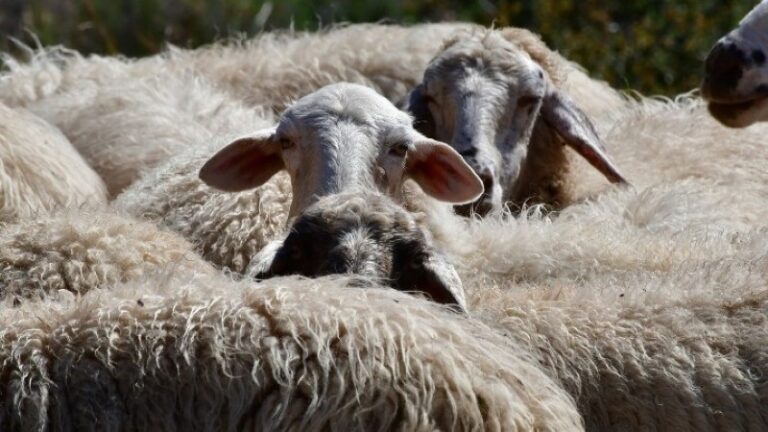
(240,166)
(441,178)
(251,167)
(443,174)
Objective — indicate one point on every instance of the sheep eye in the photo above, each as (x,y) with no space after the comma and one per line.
(286,143)
(399,149)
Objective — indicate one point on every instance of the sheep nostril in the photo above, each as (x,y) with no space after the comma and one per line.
(725,64)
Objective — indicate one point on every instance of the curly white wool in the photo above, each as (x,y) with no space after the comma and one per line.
(39,169)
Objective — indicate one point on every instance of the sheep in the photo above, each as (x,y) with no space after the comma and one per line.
(273,68)
(646,303)
(124,128)
(123,116)
(368,235)
(278,67)
(693,179)
(686,352)
(171,353)
(495,103)
(342,136)
(39,169)
(54,71)
(736,73)
(82,95)
(79,251)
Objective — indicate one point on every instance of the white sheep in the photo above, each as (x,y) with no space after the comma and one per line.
(56,70)
(39,169)
(683,351)
(208,354)
(273,68)
(278,67)
(340,137)
(79,251)
(736,72)
(490,95)
(128,126)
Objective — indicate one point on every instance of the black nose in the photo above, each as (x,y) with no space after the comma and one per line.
(723,69)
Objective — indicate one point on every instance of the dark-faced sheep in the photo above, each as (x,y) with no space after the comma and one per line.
(368,235)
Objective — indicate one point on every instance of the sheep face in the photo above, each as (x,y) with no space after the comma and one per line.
(364,234)
(484,95)
(340,137)
(736,72)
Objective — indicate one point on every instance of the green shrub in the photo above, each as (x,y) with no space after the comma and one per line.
(653,46)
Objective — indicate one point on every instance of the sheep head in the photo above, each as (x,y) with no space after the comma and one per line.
(340,137)
(484,95)
(365,234)
(736,72)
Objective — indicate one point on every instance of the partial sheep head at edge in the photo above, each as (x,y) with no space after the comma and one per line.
(364,234)
(736,72)
(341,137)
(484,95)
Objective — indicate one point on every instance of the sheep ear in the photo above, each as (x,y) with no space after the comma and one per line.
(418,107)
(246,163)
(430,273)
(573,125)
(442,173)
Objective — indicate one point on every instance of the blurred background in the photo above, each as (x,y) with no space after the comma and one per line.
(654,46)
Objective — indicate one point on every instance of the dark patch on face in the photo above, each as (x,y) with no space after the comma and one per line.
(392,241)
(305,252)
(408,271)
(468,153)
(723,69)
(758,56)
